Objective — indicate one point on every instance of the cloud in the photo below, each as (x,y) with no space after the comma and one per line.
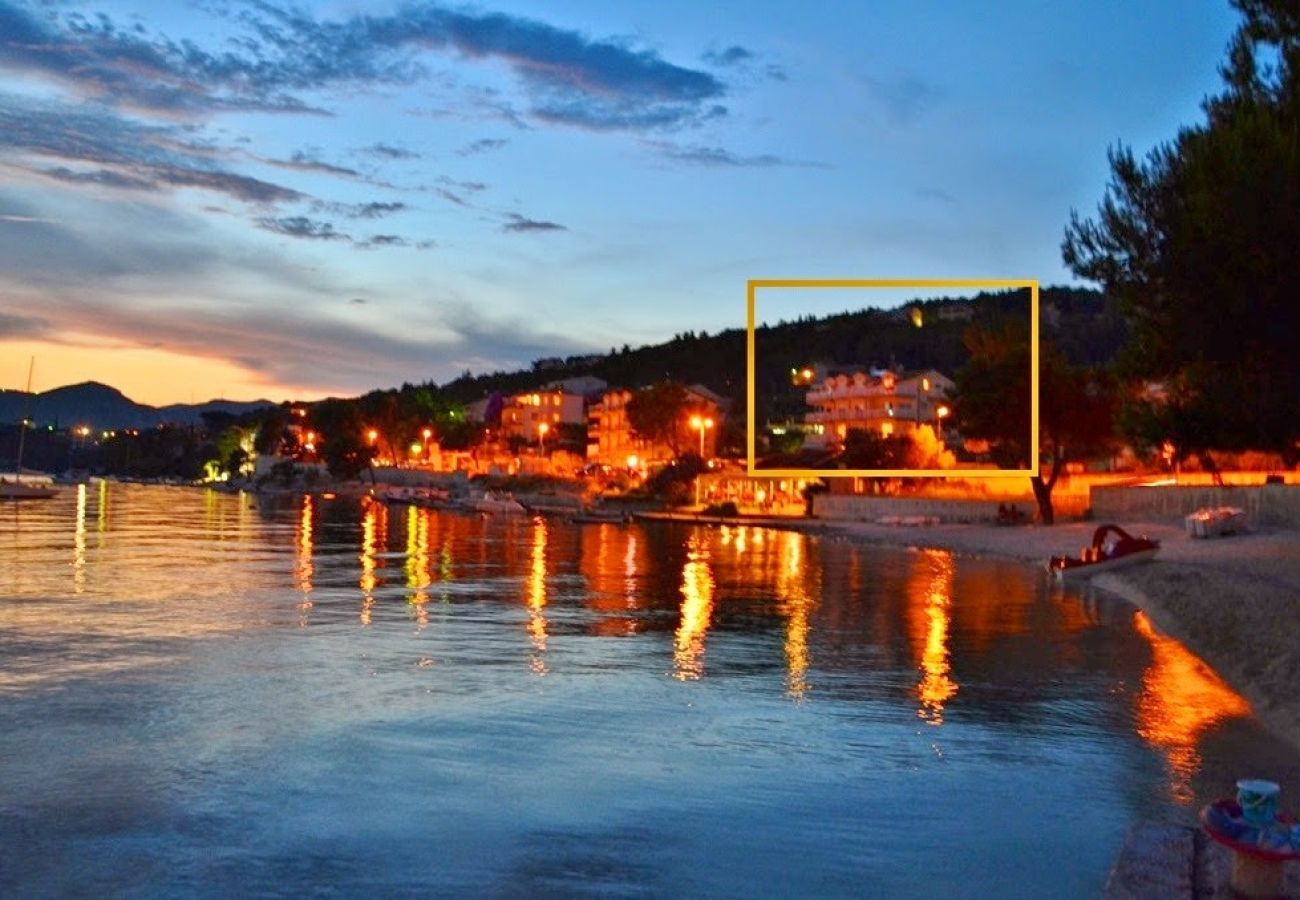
(728,57)
(135,70)
(387,151)
(372,210)
(13,326)
(120,152)
(450,197)
(517,222)
(579,113)
(383,240)
(302,227)
(303,162)
(717,157)
(481,146)
(571,78)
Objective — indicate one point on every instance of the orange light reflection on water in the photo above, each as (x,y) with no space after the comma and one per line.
(797,604)
(303,568)
(697,609)
(930,588)
(370,529)
(79,544)
(1181,700)
(537,598)
(418,570)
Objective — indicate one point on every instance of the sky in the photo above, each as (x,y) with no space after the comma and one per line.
(247,199)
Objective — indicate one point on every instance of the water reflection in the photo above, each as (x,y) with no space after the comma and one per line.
(304,568)
(797,603)
(697,609)
(809,661)
(374,523)
(79,544)
(417,567)
(1182,699)
(930,589)
(537,599)
(101,512)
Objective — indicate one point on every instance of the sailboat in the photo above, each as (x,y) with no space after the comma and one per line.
(19,486)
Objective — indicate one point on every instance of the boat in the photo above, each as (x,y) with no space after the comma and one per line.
(17,485)
(492,502)
(1112,548)
(26,487)
(1215,522)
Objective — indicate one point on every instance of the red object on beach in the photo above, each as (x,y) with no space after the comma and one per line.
(1231,810)
(1111,547)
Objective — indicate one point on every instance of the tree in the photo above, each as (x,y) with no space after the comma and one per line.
(661,414)
(342,444)
(1198,242)
(993,400)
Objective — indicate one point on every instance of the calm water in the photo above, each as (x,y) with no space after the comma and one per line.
(204,696)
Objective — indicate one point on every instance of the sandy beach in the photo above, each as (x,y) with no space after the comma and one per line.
(1233,601)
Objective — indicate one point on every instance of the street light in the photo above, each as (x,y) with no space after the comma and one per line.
(700,424)
(542,428)
(941,412)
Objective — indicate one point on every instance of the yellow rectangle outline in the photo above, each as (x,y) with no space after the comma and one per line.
(752,426)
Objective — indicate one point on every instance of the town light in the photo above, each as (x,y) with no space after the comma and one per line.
(632,461)
(542,428)
(372,435)
(700,424)
(426,434)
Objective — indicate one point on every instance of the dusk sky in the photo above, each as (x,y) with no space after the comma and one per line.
(246,199)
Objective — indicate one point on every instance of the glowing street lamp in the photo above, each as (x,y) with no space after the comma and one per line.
(700,424)
(941,412)
(542,428)
(372,435)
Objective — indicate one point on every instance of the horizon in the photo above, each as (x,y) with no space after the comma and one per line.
(248,202)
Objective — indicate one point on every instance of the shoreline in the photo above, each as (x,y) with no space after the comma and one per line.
(1233,601)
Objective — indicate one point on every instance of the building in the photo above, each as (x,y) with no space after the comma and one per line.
(611,440)
(885,402)
(524,415)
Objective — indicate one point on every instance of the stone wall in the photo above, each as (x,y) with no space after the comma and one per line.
(1276,505)
(867,508)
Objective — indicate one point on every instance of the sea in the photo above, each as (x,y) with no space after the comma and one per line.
(231,695)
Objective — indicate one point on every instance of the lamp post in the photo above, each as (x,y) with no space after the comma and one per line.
(941,412)
(542,428)
(700,424)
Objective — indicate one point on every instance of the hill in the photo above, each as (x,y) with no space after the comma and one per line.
(104,408)
(1083,324)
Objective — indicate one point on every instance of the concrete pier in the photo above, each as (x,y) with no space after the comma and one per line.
(1176,861)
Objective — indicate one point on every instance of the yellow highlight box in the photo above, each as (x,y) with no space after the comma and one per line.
(983,283)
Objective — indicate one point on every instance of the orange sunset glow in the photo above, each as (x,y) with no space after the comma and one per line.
(146,375)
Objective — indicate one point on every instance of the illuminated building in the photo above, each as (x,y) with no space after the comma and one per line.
(883,402)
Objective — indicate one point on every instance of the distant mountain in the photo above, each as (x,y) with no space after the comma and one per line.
(102,407)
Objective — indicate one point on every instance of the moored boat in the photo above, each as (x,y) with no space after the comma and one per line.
(27,488)
(492,502)
(1112,548)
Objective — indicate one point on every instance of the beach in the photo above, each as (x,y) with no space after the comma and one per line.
(1233,601)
